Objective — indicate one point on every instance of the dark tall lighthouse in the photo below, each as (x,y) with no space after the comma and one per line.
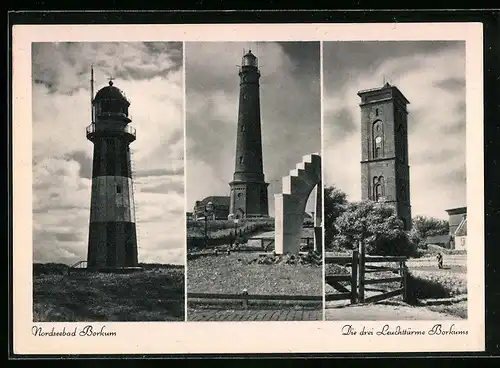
(112,232)
(248,188)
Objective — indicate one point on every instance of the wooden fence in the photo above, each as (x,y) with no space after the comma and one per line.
(360,265)
(244,298)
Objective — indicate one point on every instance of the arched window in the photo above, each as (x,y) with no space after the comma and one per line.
(378,192)
(378,139)
(378,188)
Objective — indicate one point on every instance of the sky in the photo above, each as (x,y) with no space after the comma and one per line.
(432,77)
(290,99)
(151,75)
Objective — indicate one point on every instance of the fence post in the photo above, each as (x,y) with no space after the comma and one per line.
(354,277)
(245,298)
(361,272)
(405,282)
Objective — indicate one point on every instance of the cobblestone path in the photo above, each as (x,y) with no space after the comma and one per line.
(255,315)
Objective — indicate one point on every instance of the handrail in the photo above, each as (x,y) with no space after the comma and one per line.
(126,129)
(78,264)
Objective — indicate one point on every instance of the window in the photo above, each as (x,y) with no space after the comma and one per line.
(241,159)
(377,136)
(378,188)
(376,112)
(118,188)
(242,128)
(378,192)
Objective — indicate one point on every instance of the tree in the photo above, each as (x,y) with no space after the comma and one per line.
(377,225)
(335,202)
(423,226)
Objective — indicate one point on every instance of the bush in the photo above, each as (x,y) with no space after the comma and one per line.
(435,285)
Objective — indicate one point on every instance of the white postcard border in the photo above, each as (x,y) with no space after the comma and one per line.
(240,337)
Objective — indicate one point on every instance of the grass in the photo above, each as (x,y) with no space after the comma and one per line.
(436,284)
(230,274)
(156,294)
(457,309)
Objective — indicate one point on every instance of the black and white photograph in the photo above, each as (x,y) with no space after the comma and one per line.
(395,180)
(305,188)
(108,181)
(253,165)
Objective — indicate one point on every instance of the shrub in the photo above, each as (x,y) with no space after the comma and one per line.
(435,285)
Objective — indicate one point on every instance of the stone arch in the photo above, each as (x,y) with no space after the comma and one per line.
(290,206)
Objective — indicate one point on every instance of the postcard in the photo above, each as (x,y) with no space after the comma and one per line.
(248,188)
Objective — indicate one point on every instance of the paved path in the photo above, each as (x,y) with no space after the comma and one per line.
(380,312)
(255,315)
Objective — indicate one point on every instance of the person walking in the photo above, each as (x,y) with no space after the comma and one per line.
(440,260)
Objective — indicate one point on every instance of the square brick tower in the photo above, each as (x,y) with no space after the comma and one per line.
(385,173)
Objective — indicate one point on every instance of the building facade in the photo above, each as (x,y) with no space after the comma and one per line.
(385,172)
(219,208)
(248,189)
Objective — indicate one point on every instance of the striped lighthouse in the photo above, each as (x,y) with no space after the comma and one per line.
(112,232)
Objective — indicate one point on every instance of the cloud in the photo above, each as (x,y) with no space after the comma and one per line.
(290,112)
(432,76)
(151,75)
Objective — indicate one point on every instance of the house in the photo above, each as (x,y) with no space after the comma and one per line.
(219,208)
(439,240)
(458,227)
(461,235)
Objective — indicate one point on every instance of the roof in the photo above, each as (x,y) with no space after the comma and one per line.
(249,59)
(110,92)
(385,86)
(217,200)
(457,211)
(437,239)
(462,228)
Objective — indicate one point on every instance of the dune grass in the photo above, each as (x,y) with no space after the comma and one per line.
(152,295)
(227,274)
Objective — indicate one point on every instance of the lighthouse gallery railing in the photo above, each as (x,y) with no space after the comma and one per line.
(91,129)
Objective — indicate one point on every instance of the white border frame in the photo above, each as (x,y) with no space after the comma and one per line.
(241,337)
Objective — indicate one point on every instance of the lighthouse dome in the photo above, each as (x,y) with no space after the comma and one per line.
(110,103)
(110,92)
(249,59)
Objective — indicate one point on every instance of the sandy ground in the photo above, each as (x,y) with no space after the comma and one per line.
(381,312)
